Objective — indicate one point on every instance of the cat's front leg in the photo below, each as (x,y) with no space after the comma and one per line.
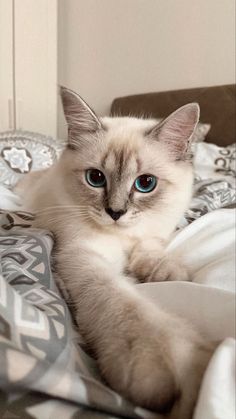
(124,332)
(149,262)
(154,359)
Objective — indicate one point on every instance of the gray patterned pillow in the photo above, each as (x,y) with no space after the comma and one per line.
(201,132)
(23,151)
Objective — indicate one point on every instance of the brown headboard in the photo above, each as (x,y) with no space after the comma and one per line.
(218,107)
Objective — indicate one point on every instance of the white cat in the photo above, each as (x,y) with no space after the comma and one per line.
(112,202)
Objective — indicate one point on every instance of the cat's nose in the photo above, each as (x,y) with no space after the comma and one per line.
(115,215)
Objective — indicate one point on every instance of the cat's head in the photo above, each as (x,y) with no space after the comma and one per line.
(119,170)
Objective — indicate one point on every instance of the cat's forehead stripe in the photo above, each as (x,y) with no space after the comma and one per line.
(122,159)
(117,159)
(108,161)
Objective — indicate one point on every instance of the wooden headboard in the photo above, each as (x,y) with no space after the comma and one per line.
(218,107)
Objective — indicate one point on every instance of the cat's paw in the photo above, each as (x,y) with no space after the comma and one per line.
(169,269)
(154,266)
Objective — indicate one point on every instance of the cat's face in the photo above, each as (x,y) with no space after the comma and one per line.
(119,170)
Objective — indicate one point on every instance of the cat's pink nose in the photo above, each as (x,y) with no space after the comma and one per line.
(115,215)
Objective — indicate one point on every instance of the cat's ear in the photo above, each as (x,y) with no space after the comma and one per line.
(80,117)
(176,130)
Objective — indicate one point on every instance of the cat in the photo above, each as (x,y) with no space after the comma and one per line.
(112,201)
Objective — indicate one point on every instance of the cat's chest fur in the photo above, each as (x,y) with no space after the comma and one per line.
(114,248)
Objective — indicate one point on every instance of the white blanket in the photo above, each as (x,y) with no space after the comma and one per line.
(208,248)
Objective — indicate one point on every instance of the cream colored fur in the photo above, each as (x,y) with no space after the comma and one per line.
(151,357)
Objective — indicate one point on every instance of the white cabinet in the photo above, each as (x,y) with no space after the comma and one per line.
(6,66)
(28,65)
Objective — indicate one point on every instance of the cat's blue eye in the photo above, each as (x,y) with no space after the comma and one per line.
(145,183)
(95,178)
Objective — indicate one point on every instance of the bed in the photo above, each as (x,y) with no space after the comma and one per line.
(45,371)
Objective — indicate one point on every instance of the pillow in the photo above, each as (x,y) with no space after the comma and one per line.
(23,151)
(214,162)
(201,132)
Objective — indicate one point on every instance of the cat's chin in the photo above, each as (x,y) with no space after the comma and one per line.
(111,224)
(101,222)
(122,224)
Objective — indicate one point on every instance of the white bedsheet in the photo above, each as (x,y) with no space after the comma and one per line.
(208,248)
(217,395)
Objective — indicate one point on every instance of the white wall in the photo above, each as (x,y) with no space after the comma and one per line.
(36,65)
(110,48)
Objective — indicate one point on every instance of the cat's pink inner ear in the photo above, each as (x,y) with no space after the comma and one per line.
(79,116)
(176,131)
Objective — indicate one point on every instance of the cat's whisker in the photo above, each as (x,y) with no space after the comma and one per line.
(64,217)
(66,220)
(61,213)
(60,207)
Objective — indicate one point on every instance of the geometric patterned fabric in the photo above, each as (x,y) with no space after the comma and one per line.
(22,152)
(44,372)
